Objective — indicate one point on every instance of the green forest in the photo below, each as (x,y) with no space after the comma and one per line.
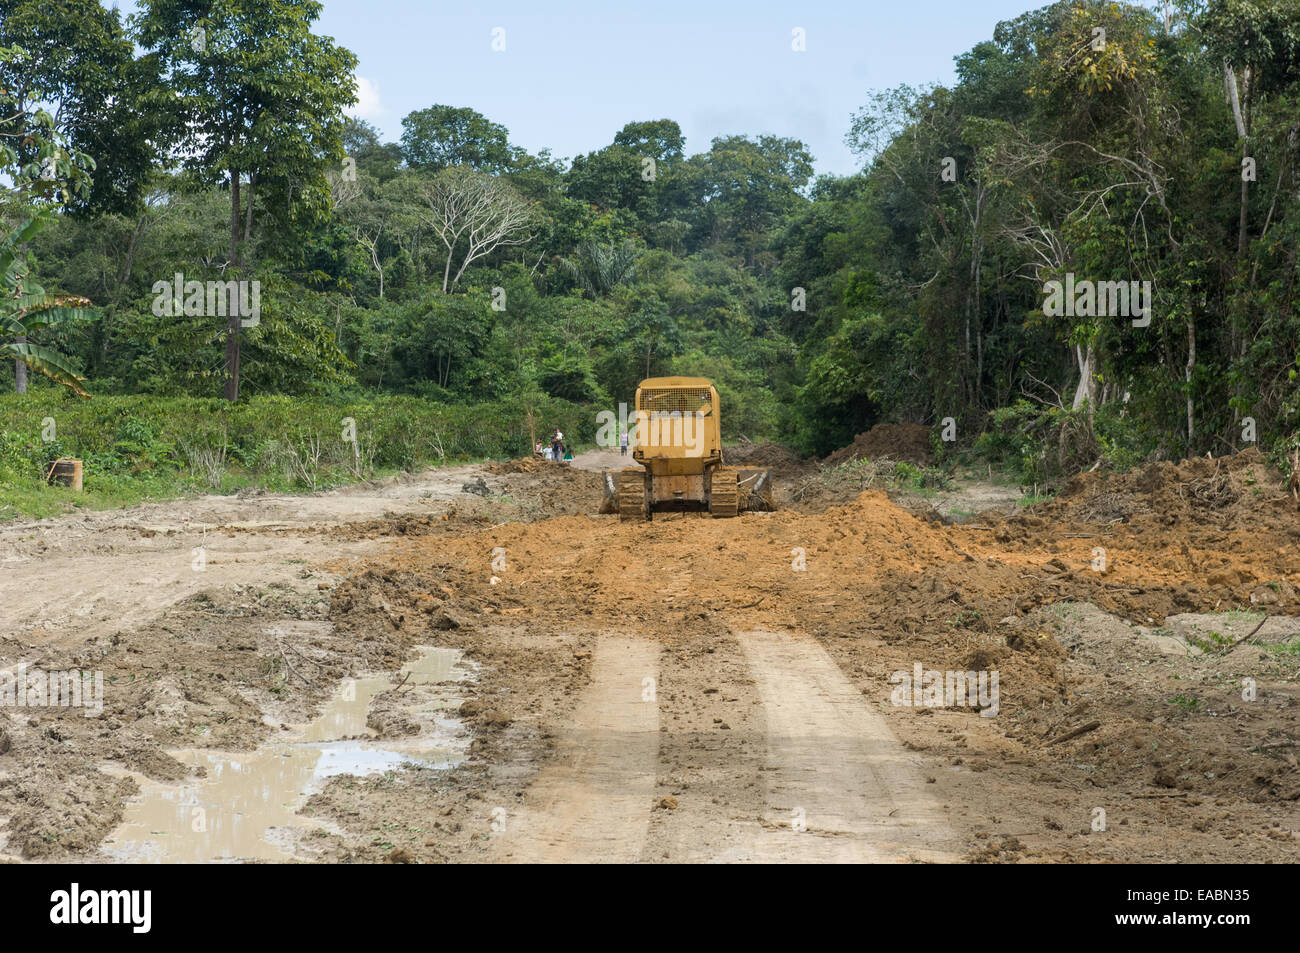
(452,292)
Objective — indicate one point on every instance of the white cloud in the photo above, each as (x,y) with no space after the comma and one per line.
(368,106)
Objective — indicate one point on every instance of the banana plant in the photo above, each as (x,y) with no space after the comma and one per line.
(26,307)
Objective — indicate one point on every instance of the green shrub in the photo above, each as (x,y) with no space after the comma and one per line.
(161,446)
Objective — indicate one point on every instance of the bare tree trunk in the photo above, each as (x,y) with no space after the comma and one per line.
(1241,119)
(965,370)
(1191,365)
(379,265)
(979,325)
(1245,204)
(232,320)
(20,371)
(1087,389)
(232,357)
(235,209)
(1234,100)
(248,216)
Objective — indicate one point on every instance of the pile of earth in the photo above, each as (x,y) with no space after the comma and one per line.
(523,495)
(870,574)
(1241,486)
(556,490)
(1200,535)
(907,442)
(520,465)
(830,485)
(771,455)
(684,567)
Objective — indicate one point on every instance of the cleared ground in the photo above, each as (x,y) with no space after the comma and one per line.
(685,690)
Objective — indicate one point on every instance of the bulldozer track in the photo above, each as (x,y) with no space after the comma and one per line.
(591,802)
(632,496)
(724,494)
(859,792)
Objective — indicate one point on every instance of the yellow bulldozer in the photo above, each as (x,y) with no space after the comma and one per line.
(677,440)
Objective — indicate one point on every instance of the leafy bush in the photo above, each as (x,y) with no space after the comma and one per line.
(1044,443)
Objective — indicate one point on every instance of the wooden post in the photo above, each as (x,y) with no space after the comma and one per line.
(65,471)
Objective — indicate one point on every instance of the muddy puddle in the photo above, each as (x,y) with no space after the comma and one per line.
(245,805)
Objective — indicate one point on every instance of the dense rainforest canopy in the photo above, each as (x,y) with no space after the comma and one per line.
(1084,142)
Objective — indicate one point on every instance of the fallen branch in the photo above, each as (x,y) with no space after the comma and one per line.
(297,651)
(1248,635)
(1090,726)
(287,664)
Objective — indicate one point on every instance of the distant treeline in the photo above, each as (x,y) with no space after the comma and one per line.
(1085,141)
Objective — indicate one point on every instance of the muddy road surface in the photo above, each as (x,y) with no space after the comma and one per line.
(471,665)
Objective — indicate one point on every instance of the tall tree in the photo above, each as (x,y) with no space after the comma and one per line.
(443,136)
(472,214)
(80,67)
(260,96)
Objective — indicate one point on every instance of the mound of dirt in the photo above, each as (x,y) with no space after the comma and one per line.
(1240,485)
(770,455)
(697,564)
(558,490)
(520,465)
(907,442)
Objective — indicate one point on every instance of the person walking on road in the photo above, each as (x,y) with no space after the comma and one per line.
(622,444)
(557,445)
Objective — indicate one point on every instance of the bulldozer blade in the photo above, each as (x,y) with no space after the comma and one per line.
(755,490)
(609,492)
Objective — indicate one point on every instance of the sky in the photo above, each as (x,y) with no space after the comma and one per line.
(572,74)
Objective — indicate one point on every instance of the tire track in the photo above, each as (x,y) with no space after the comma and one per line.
(835,765)
(592,802)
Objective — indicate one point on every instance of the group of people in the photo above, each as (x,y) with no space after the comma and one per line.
(559,451)
(556,450)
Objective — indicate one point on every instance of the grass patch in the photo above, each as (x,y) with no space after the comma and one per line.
(1033,499)
(140,448)
(1210,643)
(1285,648)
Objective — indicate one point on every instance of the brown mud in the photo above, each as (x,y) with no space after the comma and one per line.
(692,689)
(909,443)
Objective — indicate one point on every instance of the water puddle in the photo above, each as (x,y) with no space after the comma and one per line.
(246,806)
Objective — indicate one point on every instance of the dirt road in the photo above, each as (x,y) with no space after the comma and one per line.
(591,802)
(838,773)
(86,576)
(690,690)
